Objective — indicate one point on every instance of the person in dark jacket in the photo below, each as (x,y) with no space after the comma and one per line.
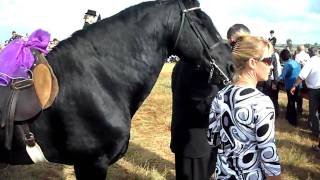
(89,18)
(14,36)
(272,38)
(192,96)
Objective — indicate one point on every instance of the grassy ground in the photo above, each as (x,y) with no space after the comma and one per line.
(149,156)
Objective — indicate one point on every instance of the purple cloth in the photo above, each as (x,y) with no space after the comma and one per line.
(16,58)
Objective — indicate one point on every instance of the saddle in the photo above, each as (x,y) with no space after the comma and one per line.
(25,99)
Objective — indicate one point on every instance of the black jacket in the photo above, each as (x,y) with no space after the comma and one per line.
(192,97)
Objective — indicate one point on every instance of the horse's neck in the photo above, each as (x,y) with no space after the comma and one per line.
(129,56)
(149,45)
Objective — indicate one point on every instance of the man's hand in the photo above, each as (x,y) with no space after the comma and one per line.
(292,90)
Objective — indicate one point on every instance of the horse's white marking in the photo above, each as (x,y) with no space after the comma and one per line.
(36,154)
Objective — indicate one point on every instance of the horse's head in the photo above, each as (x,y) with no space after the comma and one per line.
(196,39)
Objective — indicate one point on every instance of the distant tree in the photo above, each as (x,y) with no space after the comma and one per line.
(315,44)
(307,46)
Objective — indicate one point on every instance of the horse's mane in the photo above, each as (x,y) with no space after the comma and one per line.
(208,22)
(126,14)
(130,12)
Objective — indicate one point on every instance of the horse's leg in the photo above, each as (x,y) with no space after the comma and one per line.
(96,170)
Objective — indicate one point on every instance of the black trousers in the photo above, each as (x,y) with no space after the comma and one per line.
(314,101)
(274,95)
(195,168)
(266,88)
(293,107)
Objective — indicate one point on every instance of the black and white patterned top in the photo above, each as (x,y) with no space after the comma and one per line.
(241,125)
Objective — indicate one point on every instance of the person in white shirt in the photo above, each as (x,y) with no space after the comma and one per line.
(311,74)
(301,57)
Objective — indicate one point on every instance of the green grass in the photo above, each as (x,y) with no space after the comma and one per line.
(149,156)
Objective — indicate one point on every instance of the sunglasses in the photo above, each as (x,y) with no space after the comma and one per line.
(266,60)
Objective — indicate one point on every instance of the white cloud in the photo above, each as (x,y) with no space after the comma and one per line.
(60,17)
(289,18)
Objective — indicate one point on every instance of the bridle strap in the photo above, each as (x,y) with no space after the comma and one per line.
(205,45)
(184,11)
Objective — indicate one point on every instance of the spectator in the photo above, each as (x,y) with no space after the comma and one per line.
(89,18)
(301,57)
(272,38)
(273,80)
(14,36)
(311,74)
(289,75)
(289,46)
(241,120)
(53,43)
(235,31)
(26,37)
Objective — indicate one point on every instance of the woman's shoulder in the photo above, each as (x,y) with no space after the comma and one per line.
(240,93)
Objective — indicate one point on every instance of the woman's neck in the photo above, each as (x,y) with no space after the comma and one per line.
(246,79)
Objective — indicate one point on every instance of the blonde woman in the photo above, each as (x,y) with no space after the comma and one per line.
(242,118)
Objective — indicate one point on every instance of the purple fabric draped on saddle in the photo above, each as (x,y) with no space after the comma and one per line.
(16,58)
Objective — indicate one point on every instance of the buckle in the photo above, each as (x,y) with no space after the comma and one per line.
(16,85)
(30,140)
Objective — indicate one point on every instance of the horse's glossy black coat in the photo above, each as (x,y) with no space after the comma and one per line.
(105,72)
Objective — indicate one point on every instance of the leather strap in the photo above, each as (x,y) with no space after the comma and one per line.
(28,136)
(10,118)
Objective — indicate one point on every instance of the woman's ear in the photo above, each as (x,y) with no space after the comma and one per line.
(252,63)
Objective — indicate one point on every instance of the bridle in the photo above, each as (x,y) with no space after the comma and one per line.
(204,43)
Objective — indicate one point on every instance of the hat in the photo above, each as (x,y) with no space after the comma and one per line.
(91,12)
(272,31)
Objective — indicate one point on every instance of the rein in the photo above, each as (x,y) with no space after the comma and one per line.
(204,43)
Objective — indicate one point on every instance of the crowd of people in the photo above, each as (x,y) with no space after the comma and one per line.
(89,18)
(241,130)
(15,35)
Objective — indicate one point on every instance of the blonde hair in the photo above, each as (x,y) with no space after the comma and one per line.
(247,47)
(300,48)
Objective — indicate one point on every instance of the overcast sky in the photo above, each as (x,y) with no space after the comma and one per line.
(298,20)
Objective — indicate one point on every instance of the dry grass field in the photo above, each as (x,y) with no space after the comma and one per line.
(149,156)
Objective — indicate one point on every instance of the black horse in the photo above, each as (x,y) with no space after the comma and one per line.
(105,72)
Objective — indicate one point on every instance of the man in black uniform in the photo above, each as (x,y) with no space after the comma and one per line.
(272,39)
(89,18)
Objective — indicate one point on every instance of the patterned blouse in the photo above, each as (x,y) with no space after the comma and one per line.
(241,125)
